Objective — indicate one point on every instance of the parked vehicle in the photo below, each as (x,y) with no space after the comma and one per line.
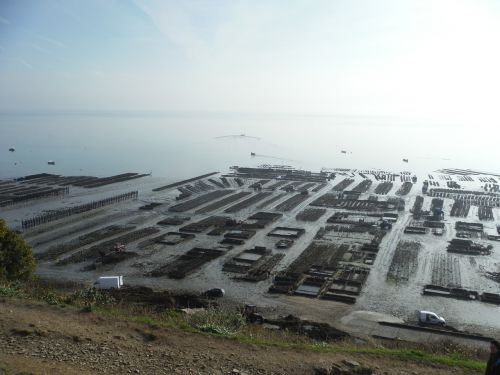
(214,293)
(431,318)
(109,282)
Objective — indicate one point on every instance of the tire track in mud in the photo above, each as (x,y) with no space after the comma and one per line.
(386,253)
(373,295)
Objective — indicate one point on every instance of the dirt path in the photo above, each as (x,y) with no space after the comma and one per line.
(43,339)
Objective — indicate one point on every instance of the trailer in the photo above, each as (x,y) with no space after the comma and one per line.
(109,282)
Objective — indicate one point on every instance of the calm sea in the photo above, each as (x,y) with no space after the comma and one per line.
(179,145)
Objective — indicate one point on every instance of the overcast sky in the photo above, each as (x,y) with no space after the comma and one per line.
(427,58)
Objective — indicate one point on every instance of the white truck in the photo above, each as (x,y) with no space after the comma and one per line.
(431,318)
(109,282)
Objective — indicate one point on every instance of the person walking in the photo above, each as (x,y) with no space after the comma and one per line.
(493,364)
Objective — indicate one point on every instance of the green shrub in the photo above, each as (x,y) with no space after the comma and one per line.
(215,329)
(90,297)
(223,321)
(52,298)
(9,291)
(16,258)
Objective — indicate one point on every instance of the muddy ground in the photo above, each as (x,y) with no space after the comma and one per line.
(393,287)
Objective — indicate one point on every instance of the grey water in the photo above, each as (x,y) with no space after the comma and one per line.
(181,145)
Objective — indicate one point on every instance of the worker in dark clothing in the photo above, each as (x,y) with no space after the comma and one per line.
(493,365)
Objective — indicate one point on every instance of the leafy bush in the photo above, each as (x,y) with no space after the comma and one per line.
(222,321)
(9,291)
(215,329)
(16,257)
(52,298)
(90,297)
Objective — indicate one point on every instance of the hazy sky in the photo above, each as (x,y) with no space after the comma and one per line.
(427,58)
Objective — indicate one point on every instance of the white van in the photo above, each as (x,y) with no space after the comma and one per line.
(429,317)
(109,282)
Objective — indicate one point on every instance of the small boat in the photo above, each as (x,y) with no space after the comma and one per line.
(12,149)
(405,160)
(51,162)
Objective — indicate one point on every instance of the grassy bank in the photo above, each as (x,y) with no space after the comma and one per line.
(228,323)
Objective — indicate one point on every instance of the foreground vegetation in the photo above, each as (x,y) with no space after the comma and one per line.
(229,323)
(16,257)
